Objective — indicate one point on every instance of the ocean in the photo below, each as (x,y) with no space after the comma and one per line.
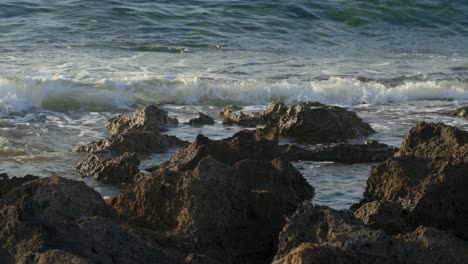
(67,66)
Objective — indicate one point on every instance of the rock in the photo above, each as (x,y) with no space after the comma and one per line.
(7,184)
(246,144)
(385,215)
(147,118)
(54,220)
(227,212)
(460,112)
(241,119)
(139,131)
(201,120)
(122,169)
(315,122)
(370,151)
(427,176)
(134,141)
(327,235)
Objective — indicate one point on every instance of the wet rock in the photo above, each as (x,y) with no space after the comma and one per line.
(227,211)
(241,119)
(370,151)
(315,122)
(139,131)
(122,169)
(54,220)
(338,236)
(460,112)
(427,176)
(7,183)
(147,118)
(246,144)
(201,120)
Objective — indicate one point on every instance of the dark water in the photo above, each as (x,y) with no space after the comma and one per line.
(66,66)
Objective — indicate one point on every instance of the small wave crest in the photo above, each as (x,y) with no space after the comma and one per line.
(18,95)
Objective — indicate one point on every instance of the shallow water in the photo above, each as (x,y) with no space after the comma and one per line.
(67,66)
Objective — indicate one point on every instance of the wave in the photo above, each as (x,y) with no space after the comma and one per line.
(19,95)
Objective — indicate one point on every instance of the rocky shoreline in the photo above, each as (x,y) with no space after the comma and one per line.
(240,200)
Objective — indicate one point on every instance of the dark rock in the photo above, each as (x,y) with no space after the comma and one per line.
(241,119)
(338,236)
(201,120)
(227,212)
(54,220)
(428,177)
(370,151)
(7,183)
(246,144)
(460,112)
(122,169)
(385,215)
(139,131)
(147,118)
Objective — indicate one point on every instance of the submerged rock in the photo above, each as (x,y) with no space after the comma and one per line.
(7,183)
(139,131)
(225,199)
(370,151)
(460,112)
(323,234)
(427,177)
(122,169)
(306,121)
(54,220)
(201,120)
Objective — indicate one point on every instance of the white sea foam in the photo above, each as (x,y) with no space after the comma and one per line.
(21,95)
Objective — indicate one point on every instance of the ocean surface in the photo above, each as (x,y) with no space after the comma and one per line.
(66,66)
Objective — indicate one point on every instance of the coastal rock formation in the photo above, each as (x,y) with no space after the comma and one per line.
(460,112)
(7,183)
(385,215)
(201,120)
(306,122)
(121,169)
(139,131)
(427,177)
(370,151)
(226,199)
(246,144)
(323,234)
(55,220)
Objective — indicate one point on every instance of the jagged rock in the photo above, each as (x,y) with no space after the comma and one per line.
(460,112)
(121,169)
(7,183)
(55,220)
(229,212)
(305,121)
(316,231)
(139,131)
(427,176)
(385,215)
(370,151)
(134,141)
(147,118)
(201,120)
(246,144)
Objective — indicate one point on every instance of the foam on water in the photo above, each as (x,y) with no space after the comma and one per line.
(62,95)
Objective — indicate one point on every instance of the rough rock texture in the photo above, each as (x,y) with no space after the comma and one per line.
(305,121)
(428,177)
(460,112)
(385,215)
(245,144)
(54,220)
(139,131)
(338,236)
(7,183)
(147,118)
(201,120)
(226,199)
(122,169)
(370,151)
